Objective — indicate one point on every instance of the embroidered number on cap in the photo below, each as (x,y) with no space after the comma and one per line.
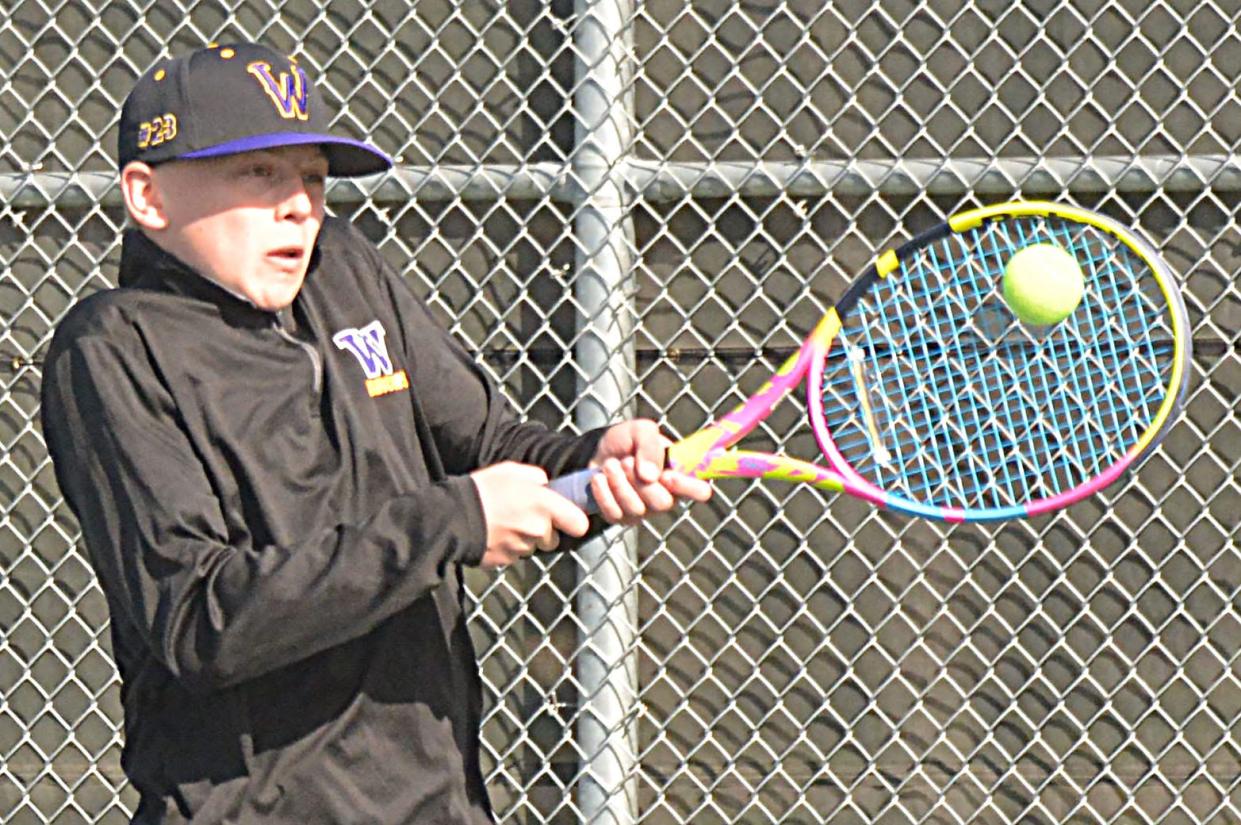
(156,131)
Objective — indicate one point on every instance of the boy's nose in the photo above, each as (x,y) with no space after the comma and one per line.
(298,202)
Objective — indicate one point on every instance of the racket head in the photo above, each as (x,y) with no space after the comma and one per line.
(934,400)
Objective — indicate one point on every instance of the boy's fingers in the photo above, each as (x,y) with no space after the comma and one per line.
(651,450)
(627,496)
(601,488)
(685,486)
(566,517)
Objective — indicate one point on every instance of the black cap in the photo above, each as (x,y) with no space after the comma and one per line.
(233,98)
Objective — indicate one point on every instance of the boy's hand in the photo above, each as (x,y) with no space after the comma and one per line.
(632,482)
(522,515)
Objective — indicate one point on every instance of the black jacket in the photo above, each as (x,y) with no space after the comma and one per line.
(277,513)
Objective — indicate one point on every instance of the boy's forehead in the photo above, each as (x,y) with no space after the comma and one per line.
(300,156)
(184,174)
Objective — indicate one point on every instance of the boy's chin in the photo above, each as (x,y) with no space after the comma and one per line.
(277,293)
(274,300)
(276,303)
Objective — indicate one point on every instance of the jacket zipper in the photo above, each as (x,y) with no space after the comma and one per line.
(316,361)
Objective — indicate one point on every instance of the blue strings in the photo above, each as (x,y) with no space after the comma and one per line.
(973,409)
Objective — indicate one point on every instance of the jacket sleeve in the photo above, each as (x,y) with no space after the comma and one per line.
(213,611)
(471,421)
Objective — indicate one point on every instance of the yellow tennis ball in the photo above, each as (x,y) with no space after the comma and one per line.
(1042,284)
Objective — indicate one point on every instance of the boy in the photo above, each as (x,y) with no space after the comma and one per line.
(280,462)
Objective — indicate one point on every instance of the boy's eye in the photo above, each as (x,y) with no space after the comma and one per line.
(256,170)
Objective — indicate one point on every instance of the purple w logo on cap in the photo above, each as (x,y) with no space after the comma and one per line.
(287,91)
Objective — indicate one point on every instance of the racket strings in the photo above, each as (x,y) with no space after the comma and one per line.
(937,392)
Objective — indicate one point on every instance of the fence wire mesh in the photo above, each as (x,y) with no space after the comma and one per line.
(776,655)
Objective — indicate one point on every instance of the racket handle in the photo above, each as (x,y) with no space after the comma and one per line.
(576,488)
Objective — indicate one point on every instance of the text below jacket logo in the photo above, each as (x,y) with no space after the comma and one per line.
(286,90)
(368,345)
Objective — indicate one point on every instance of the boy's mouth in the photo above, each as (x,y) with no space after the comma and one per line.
(287,255)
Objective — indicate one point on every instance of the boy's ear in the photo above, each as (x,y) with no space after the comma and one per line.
(143,197)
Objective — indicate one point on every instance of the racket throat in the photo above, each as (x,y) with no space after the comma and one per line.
(694,454)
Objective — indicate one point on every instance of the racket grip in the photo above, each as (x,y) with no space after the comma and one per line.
(576,488)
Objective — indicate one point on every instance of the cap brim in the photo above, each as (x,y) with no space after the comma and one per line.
(346,158)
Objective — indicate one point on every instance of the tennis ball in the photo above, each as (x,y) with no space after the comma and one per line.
(1042,284)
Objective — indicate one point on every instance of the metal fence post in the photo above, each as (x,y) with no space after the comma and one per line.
(606,600)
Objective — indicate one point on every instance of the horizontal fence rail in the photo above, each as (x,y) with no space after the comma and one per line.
(669,182)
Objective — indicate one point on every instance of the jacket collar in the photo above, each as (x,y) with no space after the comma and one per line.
(145,265)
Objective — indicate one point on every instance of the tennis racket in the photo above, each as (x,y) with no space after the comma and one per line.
(927,396)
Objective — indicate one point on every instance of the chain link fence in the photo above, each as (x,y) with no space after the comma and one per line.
(640,208)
